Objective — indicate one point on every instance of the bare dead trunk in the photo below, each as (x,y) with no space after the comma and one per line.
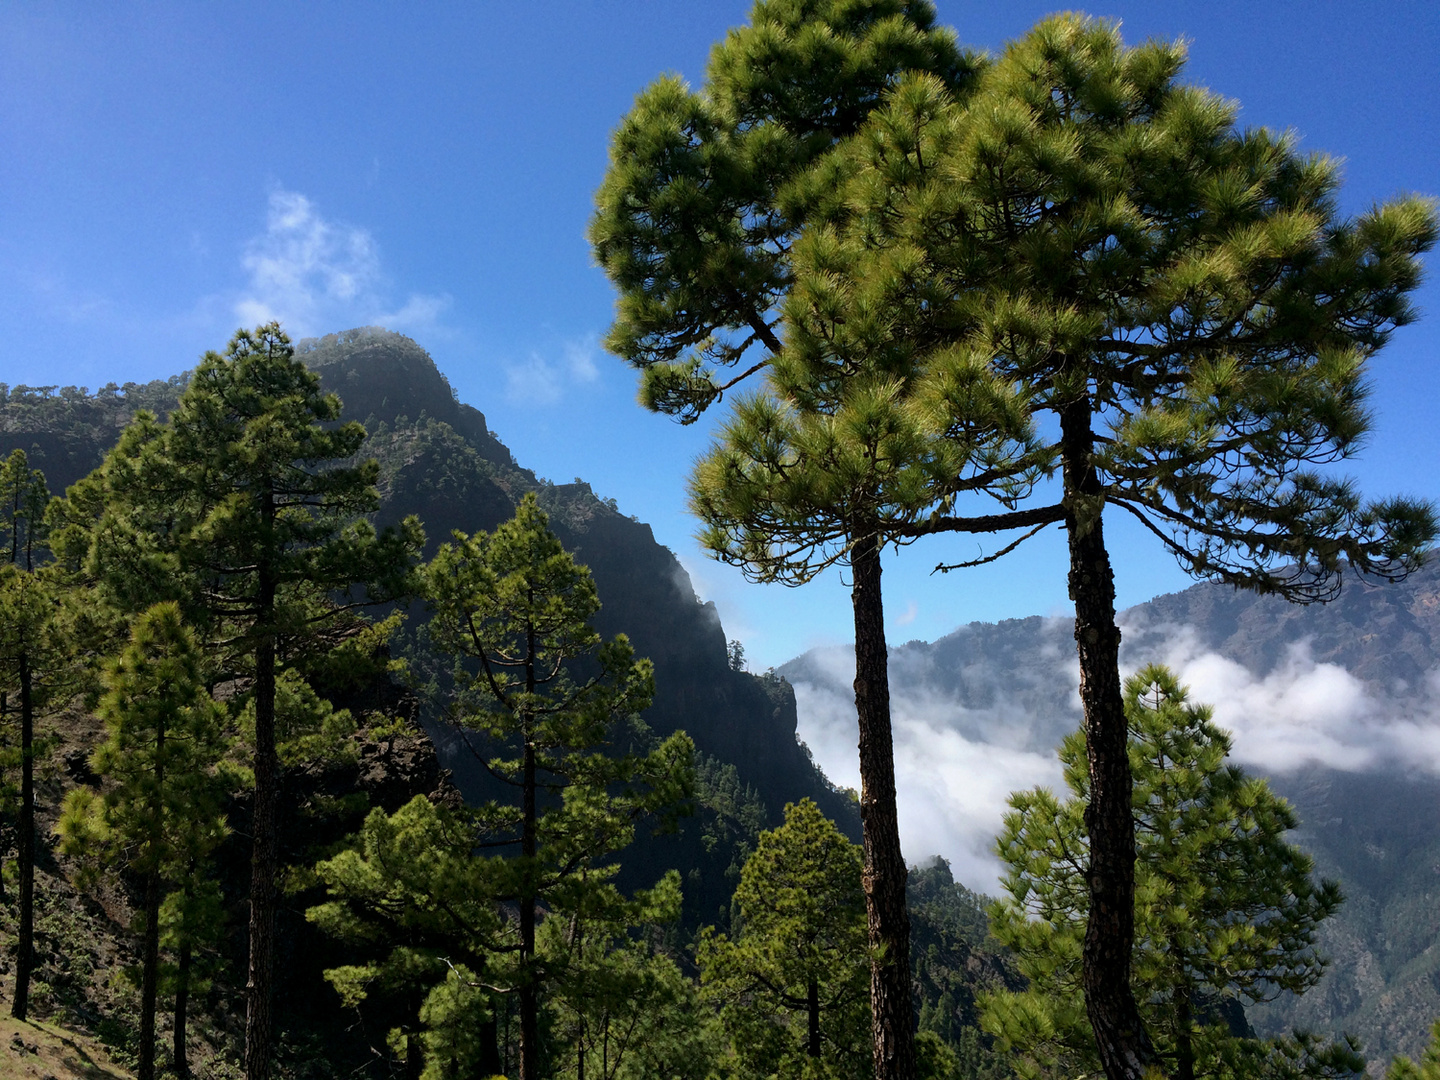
(264,859)
(1125,1049)
(885,872)
(25,841)
(149,969)
(179,1051)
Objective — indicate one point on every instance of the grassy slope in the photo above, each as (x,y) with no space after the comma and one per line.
(42,1049)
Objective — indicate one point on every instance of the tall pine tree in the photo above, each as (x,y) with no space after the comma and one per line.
(792,983)
(1226,911)
(33,669)
(546,707)
(160,812)
(247,507)
(697,223)
(1181,304)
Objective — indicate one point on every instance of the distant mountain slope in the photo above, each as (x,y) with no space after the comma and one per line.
(1338,704)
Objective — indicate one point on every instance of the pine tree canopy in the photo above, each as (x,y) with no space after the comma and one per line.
(249,472)
(1427,1068)
(792,981)
(1226,910)
(702,199)
(1105,237)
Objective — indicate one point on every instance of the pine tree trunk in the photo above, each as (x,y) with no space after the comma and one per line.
(529,998)
(149,969)
(812,1003)
(4,712)
(1125,1049)
(25,946)
(1184,1047)
(885,873)
(414,1062)
(182,1005)
(150,944)
(490,1063)
(264,859)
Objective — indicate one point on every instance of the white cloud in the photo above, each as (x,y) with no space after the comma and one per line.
(956,765)
(544,380)
(1307,713)
(317,276)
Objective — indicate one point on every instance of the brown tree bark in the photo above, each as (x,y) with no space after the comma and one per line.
(149,970)
(179,1051)
(529,996)
(1125,1049)
(25,946)
(265,849)
(885,873)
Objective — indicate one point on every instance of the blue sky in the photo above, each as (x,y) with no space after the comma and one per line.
(174,170)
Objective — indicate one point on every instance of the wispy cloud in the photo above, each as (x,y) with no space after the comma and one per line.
(906,617)
(952,784)
(1302,712)
(317,275)
(544,380)
(968,732)
(955,765)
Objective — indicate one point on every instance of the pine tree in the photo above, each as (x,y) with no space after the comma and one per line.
(1181,303)
(700,203)
(410,885)
(191,925)
(1226,911)
(1427,1068)
(24,497)
(621,1008)
(792,983)
(833,462)
(160,812)
(247,508)
(33,668)
(546,707)
(697,224)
